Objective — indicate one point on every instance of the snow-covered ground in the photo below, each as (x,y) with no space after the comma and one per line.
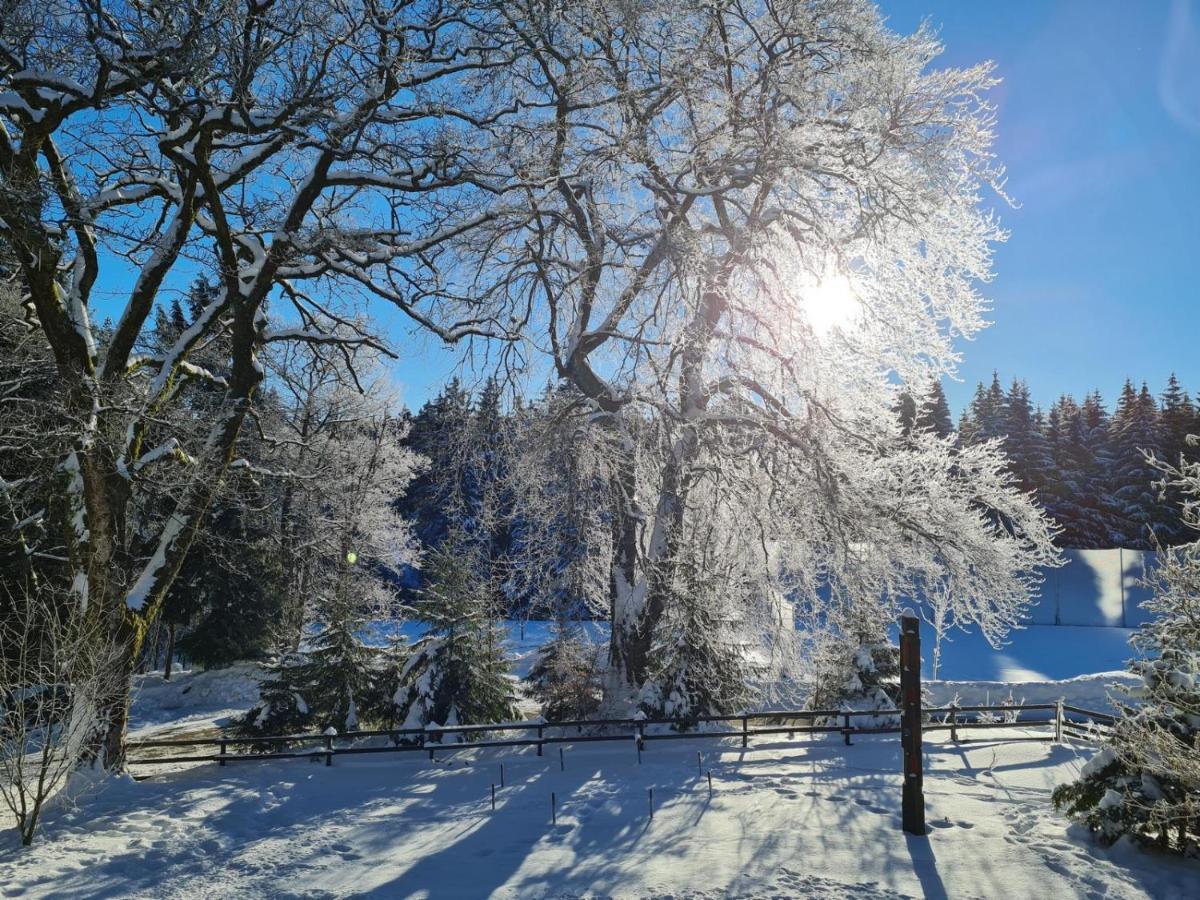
(798,819)
(801,820)
(192,700)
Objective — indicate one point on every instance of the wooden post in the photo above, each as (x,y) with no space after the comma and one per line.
(562,762)
(745,732)
(1058,721)
(913,801)
(553,809)
(652,803)
(222,762)
(540,729)
(493,796)
(846,727)
(329,750)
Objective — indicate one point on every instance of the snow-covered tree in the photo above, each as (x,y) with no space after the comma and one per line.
(1145,781)
(457,671)
(729,181)
(854,665)
(565,676)
(284,147)
(350,540)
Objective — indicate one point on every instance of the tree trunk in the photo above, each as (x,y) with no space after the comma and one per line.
(170,652)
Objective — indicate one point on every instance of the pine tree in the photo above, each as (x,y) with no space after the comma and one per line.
(1029,453)
(565,676)
(1135,502)
(856,666)
(1145,781)
(457,672)
(933,414)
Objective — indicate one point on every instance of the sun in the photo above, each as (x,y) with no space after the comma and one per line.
(831,303)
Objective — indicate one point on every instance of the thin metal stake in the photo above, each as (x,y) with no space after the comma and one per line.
(698,766)
(493,796)
(652,803)
(562,764)
(710,783)
(553,809)
(501,774)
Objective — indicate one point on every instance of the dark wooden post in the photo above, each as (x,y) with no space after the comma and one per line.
(913,804)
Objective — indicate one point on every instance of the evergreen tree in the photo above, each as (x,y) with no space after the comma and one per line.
(988,411)
(1145,781)
(457,672)
(1135,502)
(856,666)
(1178,418)
(906,412)
(701,662)
(565,676)
(934,412)
(1030,456)
(341,672)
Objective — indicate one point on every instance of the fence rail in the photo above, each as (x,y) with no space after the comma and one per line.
(1068,721)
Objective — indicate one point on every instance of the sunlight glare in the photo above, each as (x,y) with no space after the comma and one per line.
(831,303)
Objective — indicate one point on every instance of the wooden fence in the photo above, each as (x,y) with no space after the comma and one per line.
(1061,719)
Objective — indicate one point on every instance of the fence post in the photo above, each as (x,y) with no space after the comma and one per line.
(913,800)
(1058,721)
(954,722)
(745,732)
(846,727)
(329,750)
(541,728)
(222,762)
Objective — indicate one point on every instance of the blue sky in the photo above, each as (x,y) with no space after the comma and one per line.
(1100,130)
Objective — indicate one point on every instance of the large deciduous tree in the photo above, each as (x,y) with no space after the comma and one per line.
(762,222)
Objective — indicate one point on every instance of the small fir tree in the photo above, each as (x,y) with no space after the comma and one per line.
(856,666)
(457,673)
(565,678)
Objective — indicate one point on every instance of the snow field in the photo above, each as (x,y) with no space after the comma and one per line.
(810,818)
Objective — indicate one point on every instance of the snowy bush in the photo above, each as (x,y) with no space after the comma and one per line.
(56,672)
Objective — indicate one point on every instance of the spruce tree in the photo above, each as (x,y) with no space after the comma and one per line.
(565,676)
(457,672)
(856,666)
(700,661)
(933,415)
(1135,502)
(1145,781)
(1178,418)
